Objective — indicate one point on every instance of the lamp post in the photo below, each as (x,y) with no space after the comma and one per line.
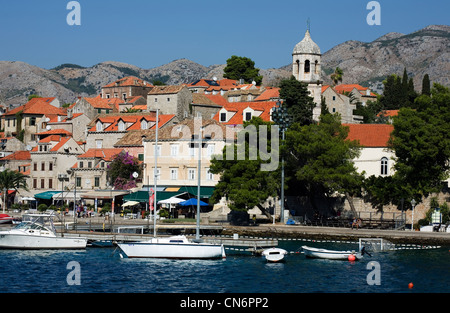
(281,118)
(70,171)
(413,203)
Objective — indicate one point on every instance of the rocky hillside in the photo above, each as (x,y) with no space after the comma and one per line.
(425,51)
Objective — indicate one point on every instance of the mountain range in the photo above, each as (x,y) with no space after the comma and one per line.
(426,51)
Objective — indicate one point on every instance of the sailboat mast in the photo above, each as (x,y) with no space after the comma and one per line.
(197,229)
(155,173)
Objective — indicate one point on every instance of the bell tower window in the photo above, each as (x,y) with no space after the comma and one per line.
(307,66)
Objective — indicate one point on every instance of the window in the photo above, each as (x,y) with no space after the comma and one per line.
(156,99)
(32,121)
(43,166)
(223,117)
(168,99)
(81,164)
(97,181)
(316,68)
(174,150)
(35,167)
(121,126)
(141,157)
(78,182)
(158,150)
(210,149)
(191,173)
(107,96)
(124,96)
(99,143)
(209,175)
(50,183)
(173,173)
(384,166)
(144,124)
(50,166)
(248,116)
(99,126)
(90,164)
(42,183)
(34,183)
(307,66)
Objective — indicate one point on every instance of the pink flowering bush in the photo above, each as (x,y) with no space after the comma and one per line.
(121,169)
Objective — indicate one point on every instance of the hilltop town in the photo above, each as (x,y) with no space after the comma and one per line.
(65,150)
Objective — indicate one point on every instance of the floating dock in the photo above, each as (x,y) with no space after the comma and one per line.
(249,244)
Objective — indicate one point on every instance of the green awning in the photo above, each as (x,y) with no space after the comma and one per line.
(142,196)
(47,195)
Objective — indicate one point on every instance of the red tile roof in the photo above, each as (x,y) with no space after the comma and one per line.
(38,106)
(105,154)
(129,81)
(18,155)
(370,135)
(269,94)
(238,107)
(55,132)
(133,120)
(349,87)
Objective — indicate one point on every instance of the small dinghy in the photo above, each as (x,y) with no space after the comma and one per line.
(311,252)
(274,254)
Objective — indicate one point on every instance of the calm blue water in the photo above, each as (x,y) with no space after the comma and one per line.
(103,271)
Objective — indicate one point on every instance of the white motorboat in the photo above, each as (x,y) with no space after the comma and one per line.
(274,254)
(175,247)
(37,232)
(329,254)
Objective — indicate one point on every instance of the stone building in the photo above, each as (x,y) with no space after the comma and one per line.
(125,88)
(306,67)
(170,100)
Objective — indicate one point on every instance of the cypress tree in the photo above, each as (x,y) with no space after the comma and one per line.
(426,86)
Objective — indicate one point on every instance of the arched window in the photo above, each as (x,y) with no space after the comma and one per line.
(316,68)
(298,68)
(384,166)
(307,66)
(99,126)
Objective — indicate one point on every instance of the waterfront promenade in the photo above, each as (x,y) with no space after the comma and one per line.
(279,230)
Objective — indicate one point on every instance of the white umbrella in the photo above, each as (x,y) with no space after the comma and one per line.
(173,200)
(130,203)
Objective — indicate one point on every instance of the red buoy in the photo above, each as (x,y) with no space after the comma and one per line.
(410,285)
(351,258)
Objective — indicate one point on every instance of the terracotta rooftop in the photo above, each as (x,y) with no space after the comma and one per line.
(370,135)
(38,106)
(238,107)
(129,81)
(18,155)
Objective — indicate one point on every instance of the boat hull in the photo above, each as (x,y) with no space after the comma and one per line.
(172,250)
(329,254)
(30,242)
(274,255)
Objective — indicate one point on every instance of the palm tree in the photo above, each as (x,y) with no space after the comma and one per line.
(12,180)
(337,75)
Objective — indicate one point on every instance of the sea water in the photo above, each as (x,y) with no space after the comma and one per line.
(104,270)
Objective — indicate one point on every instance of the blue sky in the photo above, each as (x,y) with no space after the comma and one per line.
(149,33)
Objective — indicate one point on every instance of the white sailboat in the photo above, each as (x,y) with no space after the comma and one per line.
(37,232)
(175,247)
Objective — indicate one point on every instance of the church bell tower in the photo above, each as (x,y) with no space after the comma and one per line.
(306,67)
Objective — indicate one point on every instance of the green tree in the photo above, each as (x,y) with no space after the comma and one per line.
(319,159)
(421,144)
(120,171)
(242,68)
(337,76)
(297,100)
(241,179)
(12,180)
(426,86)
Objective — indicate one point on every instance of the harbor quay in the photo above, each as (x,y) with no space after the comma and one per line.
(267,234)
